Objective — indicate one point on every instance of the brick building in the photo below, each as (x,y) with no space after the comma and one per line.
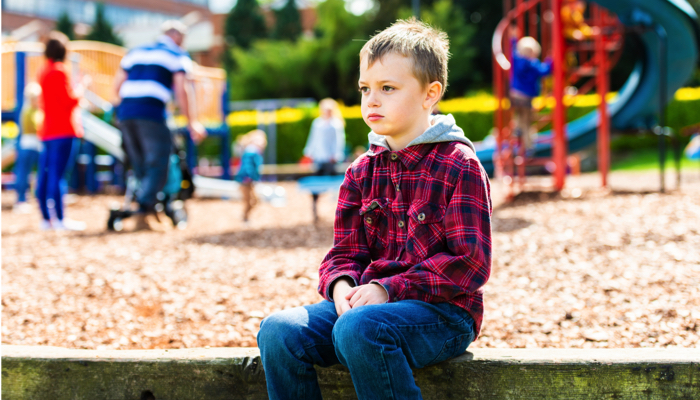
(135,21)
(138,21)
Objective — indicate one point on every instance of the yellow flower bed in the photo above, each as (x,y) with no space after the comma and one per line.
(482,102)
(251,117)
(688,94)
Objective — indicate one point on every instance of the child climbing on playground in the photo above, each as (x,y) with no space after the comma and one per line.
(527,72)
(29,145)
(574,21)
(412,238)
(251,145)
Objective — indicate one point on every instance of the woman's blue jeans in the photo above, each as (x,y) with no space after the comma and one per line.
(379,344)
(52,165)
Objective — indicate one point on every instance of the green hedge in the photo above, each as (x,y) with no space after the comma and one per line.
(291,137)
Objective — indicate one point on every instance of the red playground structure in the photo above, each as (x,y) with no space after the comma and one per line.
(584,42)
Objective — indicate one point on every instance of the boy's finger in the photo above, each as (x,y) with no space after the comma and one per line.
(355,298)
(351,292)
(362,301)
(341,307)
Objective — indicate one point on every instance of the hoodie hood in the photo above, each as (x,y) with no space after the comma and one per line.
(443,129)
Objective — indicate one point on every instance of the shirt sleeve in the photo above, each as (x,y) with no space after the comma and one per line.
(127,62)
(544,68)
(186,64)
(350,253)
(466,266)
(311,140)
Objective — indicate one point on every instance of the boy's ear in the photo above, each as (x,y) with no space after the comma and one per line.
(433,94)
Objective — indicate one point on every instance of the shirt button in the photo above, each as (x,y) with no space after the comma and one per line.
(401,224)
(368,220)
(421,217)
(398,188)
(394,156)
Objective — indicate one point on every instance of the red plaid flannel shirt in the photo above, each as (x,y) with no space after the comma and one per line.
(416,221)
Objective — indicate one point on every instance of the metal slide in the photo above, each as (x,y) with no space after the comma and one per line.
(637,103)
(102,135)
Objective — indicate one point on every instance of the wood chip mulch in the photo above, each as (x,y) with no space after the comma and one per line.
(584,268)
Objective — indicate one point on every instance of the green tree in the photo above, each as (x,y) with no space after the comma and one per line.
(65,25)
(102,30)
(245,24)
(278,69)
(463,76)
(288,24)
(484,16)
(342,35)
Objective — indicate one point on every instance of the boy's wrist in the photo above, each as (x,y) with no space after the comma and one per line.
(345,283)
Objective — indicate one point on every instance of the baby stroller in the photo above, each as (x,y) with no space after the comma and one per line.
(171,200)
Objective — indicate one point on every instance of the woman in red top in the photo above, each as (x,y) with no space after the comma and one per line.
(57,133)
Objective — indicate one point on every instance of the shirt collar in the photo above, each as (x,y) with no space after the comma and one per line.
(166,40)
(409,156)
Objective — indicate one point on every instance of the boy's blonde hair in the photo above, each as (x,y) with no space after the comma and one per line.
(529,44)
(427,47)
(256,136)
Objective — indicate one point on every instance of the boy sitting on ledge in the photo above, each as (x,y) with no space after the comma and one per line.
(412,238)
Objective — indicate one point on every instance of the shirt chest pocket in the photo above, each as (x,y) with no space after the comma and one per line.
(374,214)
(426,229)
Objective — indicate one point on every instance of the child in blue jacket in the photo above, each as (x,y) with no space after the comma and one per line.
(252,145)
(525,84)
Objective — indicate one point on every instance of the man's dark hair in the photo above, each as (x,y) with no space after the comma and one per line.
(56,46)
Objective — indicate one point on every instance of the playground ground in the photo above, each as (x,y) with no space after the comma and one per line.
(587,268)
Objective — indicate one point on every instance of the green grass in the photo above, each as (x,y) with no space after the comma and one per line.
(648,159)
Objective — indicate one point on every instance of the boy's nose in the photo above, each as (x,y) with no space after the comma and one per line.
(372,101)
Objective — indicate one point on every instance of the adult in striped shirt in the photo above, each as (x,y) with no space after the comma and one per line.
(148,77)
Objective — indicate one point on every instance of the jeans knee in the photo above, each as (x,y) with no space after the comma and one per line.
(279,332)
(270,331)
(355,332)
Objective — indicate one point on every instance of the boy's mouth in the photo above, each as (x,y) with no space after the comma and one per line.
(374,117)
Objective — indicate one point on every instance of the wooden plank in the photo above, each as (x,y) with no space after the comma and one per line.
(38,372)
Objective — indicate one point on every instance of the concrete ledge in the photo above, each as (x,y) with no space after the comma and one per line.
(38,372)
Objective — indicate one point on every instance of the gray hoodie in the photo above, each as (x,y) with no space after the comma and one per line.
(443,129)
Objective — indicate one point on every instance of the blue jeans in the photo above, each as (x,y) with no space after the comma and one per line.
(52,165)
(27,159)
(379,344)
(148,145)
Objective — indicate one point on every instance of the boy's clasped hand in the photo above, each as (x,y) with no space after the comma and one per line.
(347,297)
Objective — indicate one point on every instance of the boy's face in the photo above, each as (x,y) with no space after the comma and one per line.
(394,103)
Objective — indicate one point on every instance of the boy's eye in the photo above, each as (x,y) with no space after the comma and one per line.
(387,88)
(364,89)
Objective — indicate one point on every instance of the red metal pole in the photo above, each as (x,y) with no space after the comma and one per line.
(532,22)
(498,118)
(602,86)
(546,27)
(520,17)
(559,141)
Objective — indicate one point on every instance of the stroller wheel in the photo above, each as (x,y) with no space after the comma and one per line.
(115,222)
(178,215)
